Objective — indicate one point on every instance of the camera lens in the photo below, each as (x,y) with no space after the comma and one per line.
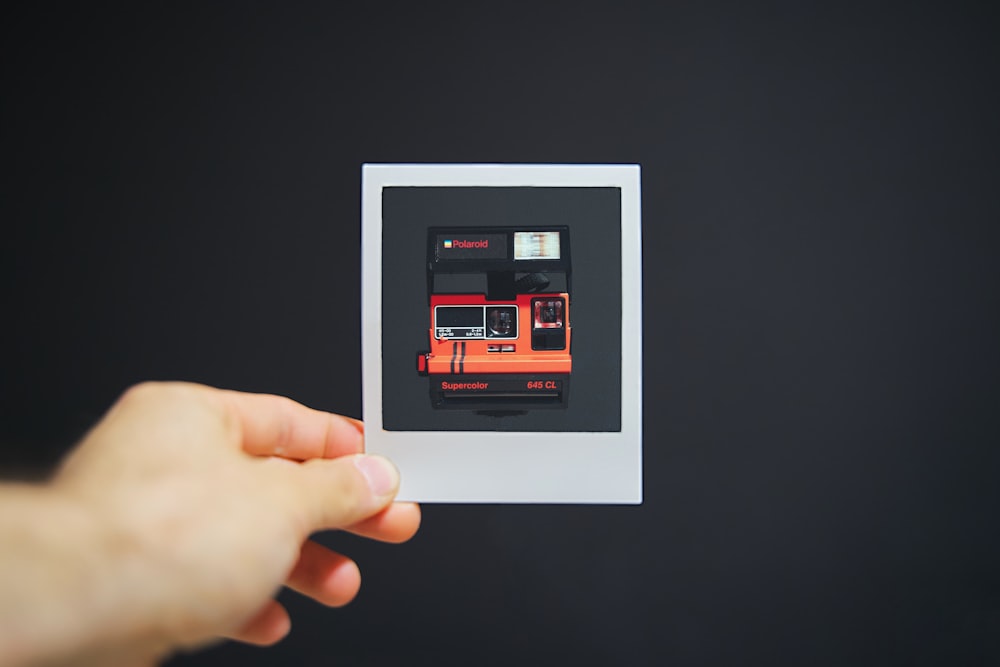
(500,321)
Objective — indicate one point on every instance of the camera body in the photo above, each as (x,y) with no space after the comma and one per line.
(500,335)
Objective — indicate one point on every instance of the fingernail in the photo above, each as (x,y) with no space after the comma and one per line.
(380,473)
(344,437)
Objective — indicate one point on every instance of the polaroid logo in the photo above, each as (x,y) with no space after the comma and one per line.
(459,243)
(459,386)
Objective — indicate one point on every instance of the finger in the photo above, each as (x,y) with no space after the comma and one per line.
(396,523)
(268,626)
(278,426)
(358,424)
(325,494)
(324,575)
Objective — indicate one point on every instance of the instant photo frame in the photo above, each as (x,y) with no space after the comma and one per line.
(502,331)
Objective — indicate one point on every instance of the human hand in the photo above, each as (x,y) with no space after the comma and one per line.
(202,502)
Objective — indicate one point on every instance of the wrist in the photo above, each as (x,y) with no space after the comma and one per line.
(69,570)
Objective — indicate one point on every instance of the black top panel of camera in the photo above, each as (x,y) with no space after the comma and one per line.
(526,249)
(514,260)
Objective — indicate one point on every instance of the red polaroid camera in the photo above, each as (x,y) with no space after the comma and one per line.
(500,331)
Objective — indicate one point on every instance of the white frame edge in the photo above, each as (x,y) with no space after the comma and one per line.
(510,467)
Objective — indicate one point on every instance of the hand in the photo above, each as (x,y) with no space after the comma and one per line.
(199,504)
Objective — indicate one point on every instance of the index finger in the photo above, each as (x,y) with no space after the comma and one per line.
(278,426)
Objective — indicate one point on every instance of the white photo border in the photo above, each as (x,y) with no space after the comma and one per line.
(508,467)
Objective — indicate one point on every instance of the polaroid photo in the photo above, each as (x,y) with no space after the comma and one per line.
(502,330)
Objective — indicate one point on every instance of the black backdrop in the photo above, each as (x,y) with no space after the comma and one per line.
(820,209)
(593,243)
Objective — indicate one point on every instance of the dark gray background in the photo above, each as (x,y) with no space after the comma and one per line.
(594,218)
(181,199)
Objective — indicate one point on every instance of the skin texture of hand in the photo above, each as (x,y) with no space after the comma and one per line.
(179,517)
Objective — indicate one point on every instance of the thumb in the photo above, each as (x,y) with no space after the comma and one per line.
(336,493)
